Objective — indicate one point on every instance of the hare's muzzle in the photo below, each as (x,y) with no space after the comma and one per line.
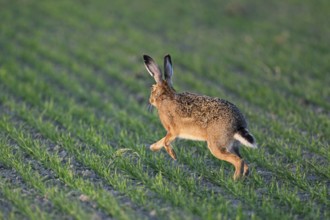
(152,101)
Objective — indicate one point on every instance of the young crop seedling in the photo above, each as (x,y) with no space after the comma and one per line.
(198,117)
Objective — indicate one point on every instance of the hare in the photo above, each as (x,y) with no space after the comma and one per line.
(198,117)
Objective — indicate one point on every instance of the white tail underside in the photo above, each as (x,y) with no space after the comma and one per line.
(238,137)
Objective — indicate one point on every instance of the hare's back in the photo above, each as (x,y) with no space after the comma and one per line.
(205,110)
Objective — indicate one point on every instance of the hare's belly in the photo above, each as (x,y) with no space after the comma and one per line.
(192,135)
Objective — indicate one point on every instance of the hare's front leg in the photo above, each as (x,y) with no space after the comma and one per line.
(165,142)
(222,154)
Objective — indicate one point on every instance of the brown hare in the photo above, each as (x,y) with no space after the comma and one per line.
(197,117)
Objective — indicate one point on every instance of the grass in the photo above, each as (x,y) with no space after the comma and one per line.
(75,131)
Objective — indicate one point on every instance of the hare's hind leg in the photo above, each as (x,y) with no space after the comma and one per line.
(222,154)
(234,148)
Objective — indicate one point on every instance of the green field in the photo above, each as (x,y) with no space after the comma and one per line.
(74,125)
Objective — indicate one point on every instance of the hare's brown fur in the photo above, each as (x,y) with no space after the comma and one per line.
(190,116)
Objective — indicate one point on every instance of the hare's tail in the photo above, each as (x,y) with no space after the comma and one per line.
(243,136)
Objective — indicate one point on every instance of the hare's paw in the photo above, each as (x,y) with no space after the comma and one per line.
(237,176)
(240,170)
(246,170)
(155,147)
(171,152)
(158,145)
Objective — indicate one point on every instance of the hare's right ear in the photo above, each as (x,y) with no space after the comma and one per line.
(153,69)
(168,68)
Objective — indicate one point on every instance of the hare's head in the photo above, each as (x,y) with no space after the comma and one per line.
(163,88)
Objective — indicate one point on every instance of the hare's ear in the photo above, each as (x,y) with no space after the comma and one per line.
(153,68)
(168,69)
